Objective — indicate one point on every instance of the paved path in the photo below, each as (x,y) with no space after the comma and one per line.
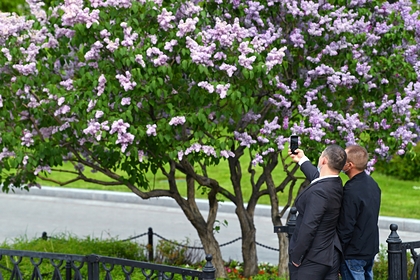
(123,215)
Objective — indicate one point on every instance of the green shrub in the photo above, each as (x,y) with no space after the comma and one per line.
(404,167)
(178,254)
(380,268)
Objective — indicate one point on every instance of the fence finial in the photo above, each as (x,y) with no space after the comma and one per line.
(394,254)
(209,270)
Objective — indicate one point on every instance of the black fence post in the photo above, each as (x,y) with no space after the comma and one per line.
(394,254)
(289,228)
(93,267)
(150,244)
(291,223)
(209,271)
(68,270)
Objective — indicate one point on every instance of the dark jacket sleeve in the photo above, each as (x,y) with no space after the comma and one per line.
(348,218)
(310,171)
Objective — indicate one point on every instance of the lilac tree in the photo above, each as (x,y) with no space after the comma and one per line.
(128,87)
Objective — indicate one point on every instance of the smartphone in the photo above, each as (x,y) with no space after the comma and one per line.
(294,143)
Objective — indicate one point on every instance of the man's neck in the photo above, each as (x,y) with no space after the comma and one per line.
(352,173)
(327,172)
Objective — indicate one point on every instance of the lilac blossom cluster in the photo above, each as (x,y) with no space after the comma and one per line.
(179,120)
(207,150)
(225,46)
(124,138)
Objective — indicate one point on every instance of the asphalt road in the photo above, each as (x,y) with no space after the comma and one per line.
(123,215)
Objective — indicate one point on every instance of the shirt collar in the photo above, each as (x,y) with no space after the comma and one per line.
(324,177)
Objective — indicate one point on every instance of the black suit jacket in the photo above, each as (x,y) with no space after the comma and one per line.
(315,235)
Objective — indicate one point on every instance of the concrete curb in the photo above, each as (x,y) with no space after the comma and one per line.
(404,224)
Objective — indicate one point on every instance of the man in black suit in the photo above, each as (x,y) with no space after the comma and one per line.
(314,250)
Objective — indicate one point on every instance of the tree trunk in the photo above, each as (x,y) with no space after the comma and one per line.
(211,246)
(283,254)
(204,228)
(249,246)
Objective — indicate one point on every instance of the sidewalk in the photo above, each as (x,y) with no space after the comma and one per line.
(404,224)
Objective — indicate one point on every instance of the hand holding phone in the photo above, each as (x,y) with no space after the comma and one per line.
(294,143)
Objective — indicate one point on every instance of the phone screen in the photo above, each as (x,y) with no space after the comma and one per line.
(294,143)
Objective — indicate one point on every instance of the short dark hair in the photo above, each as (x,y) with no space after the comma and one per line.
(336,156)
(358,156)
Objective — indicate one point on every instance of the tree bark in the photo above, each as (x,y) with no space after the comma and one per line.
(204,228)
(283,254)
(249,245)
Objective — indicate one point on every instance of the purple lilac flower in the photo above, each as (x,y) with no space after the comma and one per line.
(186,27)
(91,105)
(208,150)
(94,52)
(177,121)
(297,38)
(268,151)
(282,103)
(251,117)
(139,60)
(129,38)
(246,62)
(126,101)
(74,13)
(206,85)
(151,129)
(274,57)
(68,84)
(42,168)
(25,160)
(244,138)
(269,127)
(169,45)
(124,139)
(6,153)
(382,150)
(281,141)
(257,159)
(26,69)
(200,54)
(226,154)
(62,110)
(153,39)
(230,69)
(157,56)
(7,54)
(99,114)
(285,123)
(262,139)
(94,129)
(64,126)
(105,33)
(222,90)
(141,155)
(119,126)
(101,84)
(165,18)
(27,139)
(112,45)
(125,81)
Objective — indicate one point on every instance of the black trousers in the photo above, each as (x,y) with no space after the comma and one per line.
(316,271)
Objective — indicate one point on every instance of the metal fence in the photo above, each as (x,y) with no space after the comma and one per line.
(19,265)
(397,257)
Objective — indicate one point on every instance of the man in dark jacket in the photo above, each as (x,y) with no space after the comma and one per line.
(358,223)
(314,250)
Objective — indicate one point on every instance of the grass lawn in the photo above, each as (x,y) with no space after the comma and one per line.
(399,198)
